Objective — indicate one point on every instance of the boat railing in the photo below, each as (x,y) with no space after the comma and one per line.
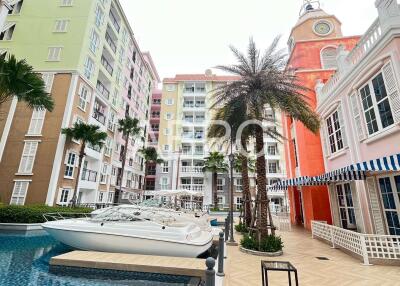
(64,215)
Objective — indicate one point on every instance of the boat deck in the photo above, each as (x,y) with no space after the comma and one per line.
(193,267)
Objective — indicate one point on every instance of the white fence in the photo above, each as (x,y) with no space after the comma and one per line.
(282,222)
(368,246)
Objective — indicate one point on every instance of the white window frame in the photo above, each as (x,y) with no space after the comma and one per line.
(61,25)
(19,194)
(94,41)
(84,97)
(99,16)
(239,187)
(28,157)
(69,165)
(89,67)
(169,116)
(169,101)
(166,148)
(64,199)
(345,205)
(395,195)
(167,131)
(164,183)
(165,167)
(54,54)
(8,31)
(104,174)
(66,3)
(220,184)
(37,121)
(333,129)
(108,147)
(327,63)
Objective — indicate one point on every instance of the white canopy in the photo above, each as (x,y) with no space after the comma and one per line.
(174,193)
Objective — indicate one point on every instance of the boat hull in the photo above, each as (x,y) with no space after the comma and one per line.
(102,242)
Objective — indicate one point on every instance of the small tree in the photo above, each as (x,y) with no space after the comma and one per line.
(215,163)
(17,78)
(86,134)
(128,127)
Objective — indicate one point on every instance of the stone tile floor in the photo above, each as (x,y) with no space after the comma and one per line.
(301,250)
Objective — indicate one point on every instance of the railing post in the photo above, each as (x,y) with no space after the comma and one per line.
(210,272)
(364,250)
(312,229)
(221,254)
(332,236)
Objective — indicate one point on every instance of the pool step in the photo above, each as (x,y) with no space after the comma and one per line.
(193,267)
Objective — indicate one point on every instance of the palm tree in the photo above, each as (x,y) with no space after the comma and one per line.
(215,163)
(150,155)
(128,127)
(265,81)
(17,78)
(86,134)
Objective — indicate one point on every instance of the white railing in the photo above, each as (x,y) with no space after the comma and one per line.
(282,222)
(191,169)
(368,246)
(196,188)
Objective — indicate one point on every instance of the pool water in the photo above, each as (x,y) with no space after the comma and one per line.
(24,260)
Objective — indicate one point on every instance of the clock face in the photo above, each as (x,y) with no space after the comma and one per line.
(322,28)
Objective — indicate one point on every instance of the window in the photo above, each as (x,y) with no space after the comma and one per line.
(239,184)
(271,149)
(19,192)
(164,183)
(168,116)
(110,197)
(376,105)
(238,203)
(169,101)
(272,167)
(108,147)
(61,26)
(99,16)
(166,148)
(390,195)
(94,41)
(28,157)
(170,87)
(8,31)
(220,184)
(64,196)
(70,163)
(165,167)
(37,120)
(84,97)
(54,54)
(346,206)
(101,196)
(104,174)
(66,3)
(111,122)
(334,132)
(328,58)
(88,67)
(16,8)
(166,131)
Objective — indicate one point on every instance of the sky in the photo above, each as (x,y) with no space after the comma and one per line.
(190,36)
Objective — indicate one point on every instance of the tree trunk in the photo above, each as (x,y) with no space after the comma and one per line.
(81,155)
(214,189)
(123,166)
(246,188)
(262,224)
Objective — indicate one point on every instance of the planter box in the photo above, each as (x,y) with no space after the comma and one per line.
(21,226)
(260,253)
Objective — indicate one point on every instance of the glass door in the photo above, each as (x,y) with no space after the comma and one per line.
(346,206)
(390,193)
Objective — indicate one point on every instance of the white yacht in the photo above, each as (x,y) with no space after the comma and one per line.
(121,232)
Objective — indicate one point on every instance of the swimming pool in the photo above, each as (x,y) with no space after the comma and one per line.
(24,260)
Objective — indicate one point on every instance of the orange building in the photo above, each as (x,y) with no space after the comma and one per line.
(313,47)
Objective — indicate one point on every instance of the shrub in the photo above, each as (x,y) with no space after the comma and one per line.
(241,228)
(33,214)
(268,244)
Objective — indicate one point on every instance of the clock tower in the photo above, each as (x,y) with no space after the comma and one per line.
(313,45)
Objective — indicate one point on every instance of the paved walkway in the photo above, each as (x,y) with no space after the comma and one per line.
(301,250)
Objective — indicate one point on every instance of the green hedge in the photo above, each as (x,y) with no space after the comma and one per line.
(33,214)
(241,228)
(269,244)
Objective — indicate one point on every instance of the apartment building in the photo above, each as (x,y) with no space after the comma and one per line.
(96,73)
(185,119)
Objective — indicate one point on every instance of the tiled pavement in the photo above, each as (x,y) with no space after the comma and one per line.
(301,250)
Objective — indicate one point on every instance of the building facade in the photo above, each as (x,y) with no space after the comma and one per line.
(185,119)
(311,44)
(96,73)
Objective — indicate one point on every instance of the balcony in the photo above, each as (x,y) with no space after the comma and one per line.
(192,169)
(114,21)
(89,175)
(110,42)
(101,88)
(107,65)
(196,188)
(100,117)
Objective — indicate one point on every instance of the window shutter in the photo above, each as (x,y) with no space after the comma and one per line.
(392,90)
(342,126)
(357,116)
(375,207)
(356,204)
(324,140)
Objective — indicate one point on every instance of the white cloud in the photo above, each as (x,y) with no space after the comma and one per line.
(189,36)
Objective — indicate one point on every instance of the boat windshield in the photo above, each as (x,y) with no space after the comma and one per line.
(117,214)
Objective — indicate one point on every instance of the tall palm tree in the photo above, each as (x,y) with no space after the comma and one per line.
(17,78)
(128,127)
(265,81)
(215,163)
(86,134)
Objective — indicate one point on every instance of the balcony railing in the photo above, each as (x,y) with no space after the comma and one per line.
(110,42)
(89,175)
(114,22)
(107,65)
(196,188)
(103,90)
(100,117)
(192,169)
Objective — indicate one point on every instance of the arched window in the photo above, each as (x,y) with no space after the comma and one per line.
(328,58)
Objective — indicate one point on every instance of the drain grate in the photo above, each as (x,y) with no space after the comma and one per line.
(322,258)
